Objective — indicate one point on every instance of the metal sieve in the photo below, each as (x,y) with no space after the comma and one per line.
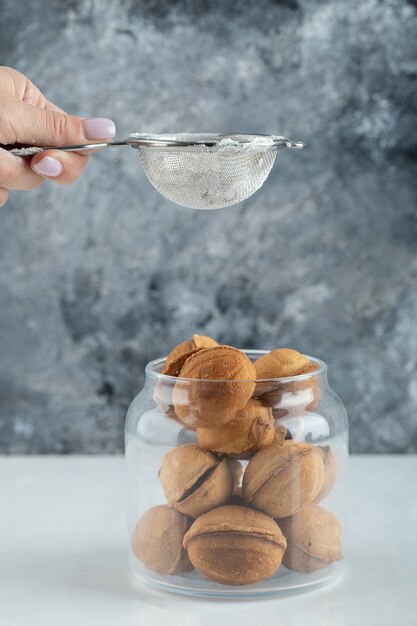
(199,171)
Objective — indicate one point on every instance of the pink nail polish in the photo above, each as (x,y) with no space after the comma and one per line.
(99,128)
(48,166)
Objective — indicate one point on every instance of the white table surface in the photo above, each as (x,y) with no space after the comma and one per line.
(63,560)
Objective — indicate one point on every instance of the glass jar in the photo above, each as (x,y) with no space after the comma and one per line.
(253,521)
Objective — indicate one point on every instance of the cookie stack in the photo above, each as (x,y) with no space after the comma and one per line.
(244,498)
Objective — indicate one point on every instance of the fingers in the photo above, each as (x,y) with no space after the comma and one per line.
(17,84)
(24,123)
(4,194)
(16,173)
(59,166)
(27,117)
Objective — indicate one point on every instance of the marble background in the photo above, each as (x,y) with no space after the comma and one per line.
(100,277)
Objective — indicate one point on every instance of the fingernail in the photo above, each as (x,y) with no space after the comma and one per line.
(48,166)
(99,128)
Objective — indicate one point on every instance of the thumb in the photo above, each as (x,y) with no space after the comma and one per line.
(27,124)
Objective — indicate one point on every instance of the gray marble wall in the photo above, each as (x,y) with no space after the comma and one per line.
(100,277)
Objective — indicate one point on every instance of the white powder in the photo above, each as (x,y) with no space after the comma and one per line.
(228,143)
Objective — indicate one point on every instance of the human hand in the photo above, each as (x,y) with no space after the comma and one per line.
(27,117)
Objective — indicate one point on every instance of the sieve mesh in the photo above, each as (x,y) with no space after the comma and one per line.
(208,171)
(206,180)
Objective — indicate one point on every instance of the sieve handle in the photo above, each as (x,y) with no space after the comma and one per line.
(283,142)
(31,150)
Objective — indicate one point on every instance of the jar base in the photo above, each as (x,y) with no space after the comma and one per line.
(284,582)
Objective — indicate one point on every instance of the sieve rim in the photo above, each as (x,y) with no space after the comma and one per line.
(200,141)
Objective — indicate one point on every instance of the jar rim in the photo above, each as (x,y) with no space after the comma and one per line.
(150,370)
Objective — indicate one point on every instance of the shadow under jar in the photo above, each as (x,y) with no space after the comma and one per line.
(236,488)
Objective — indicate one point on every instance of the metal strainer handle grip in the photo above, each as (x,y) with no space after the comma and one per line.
(32,150)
